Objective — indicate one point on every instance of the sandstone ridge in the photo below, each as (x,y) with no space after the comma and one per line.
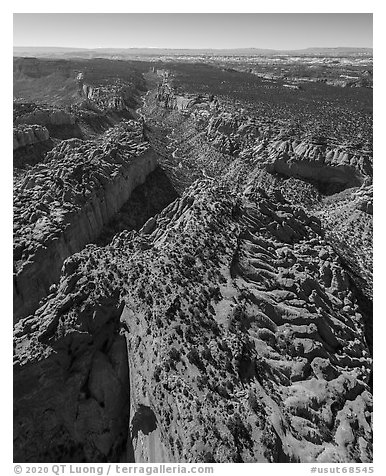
(71,196)
(283,358)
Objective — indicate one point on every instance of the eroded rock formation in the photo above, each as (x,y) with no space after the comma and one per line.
(233,326)
(46,117)
(244,342)
(29,135)
(64,203)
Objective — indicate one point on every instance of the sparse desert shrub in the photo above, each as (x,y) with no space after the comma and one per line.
(206,457)
(194,358)
(178,330)
(255,405)
(206,354)
(157,373)
(178,445)
(202,381)
(229,385)
(188,261)
(222,391)
(237,427)
(174,354)
(141,293)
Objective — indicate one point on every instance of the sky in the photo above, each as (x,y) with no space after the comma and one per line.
(193,30)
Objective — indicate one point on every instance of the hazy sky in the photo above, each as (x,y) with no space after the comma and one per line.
(193,30)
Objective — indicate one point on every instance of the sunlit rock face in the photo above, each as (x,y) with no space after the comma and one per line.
(71,196)
(29,135)
(194,286)
(239,324)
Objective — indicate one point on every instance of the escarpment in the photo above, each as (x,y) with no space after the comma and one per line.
(46,117)
(277,146)
(64,203)
(244,343)
(321,163)
(318,159)
(170,99)
(28,135)
(195,286)
(30,144)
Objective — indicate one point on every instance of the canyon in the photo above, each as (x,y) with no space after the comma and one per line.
(192,276)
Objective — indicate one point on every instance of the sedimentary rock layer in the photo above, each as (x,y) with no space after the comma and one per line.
(244,343)
(29,135)
(63,203)
(280,148)
(46,116)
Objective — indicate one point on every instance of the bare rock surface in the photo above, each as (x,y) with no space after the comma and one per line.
(244,343)
(194,286)
(63,203)
(28,135)
(46,116)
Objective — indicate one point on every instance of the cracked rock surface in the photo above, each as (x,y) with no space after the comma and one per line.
(243,338)
(194,284)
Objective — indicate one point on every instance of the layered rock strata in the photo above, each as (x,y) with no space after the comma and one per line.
(28,135)
(244,343)
(116,96)
(170,99)
(318,159)
(280,148)
(46,117)
(30,144)
(64,203)
(319,162)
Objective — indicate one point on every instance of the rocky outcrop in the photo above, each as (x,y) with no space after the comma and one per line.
(46,117)
(87,417)
(319,162)
(169,99)
(60,122)
(64,203)
(244,343)
(348,221)
(116,96)
(235,325)
(30,144)
(279,148)
(28,135)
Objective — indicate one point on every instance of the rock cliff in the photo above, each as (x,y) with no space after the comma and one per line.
(322,163)
(116,96)
(197,286)
(70,197)
(279,147)
(170,99)
(46,117)
(30,143)
(28,135)
(243,340)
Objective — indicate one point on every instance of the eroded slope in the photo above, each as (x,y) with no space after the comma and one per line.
(243,337)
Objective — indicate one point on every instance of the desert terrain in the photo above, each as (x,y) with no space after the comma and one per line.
(193,256)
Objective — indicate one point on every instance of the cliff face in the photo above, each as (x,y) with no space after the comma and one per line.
(319,162)
(29,135)
(112,98)
(172,100)
(44,117)
(280,148)
(316,159)
(234,326)
(244,343)
(88,415)
(70,197)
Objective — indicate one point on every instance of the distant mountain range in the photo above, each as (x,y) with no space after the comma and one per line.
(47,51)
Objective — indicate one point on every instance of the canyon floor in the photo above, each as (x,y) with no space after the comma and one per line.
(192,265)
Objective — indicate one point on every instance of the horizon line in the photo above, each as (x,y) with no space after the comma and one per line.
(195,49)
